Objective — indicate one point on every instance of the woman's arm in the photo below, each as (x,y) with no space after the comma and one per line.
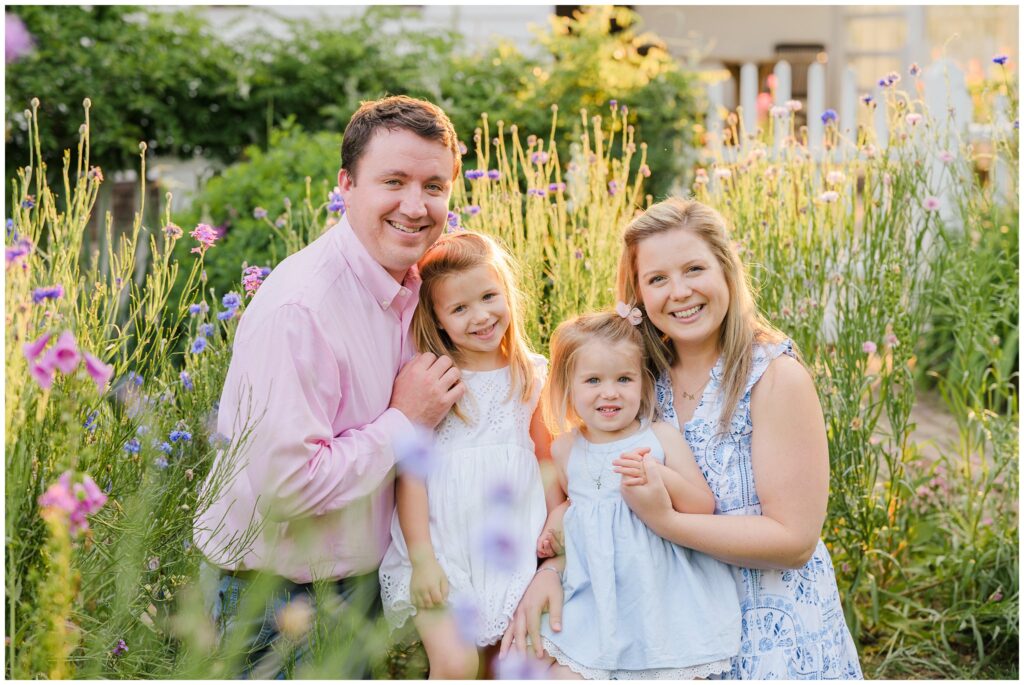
(790,462)
(429,585)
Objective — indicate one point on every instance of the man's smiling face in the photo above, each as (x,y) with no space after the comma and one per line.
(397,199)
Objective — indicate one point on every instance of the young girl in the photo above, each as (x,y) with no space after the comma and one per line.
(462,549)
(635,605)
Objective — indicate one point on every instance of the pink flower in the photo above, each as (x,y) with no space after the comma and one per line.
(931,203)
(42,374)
(829,196)
(869,347)
(794,105)
(914,119)
(34,349)
(778,111)
(891,340)
(946,156)
(75,501)
(206,235)
(63,355)
(99,371)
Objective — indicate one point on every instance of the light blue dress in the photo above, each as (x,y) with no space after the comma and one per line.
(793,625)
(636,605)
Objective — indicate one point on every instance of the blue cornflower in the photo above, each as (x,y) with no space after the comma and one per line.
(198,345)
(90,421)
(493,174)
(555,187)
(53,292)
(231,300)
(132,446)
(11,231)
(829,115)
(884,82)
(473,210)
(219,440)
(142,429)
(1000,59)
(264,272)
(453,219)
(183,436)
(135,379)
(867,99)
(161,462)
(536,192)
(29,202)
(335,203)
(164,446)
(186,380)
(194,309)
(226,314)
(473,174)
(207,330)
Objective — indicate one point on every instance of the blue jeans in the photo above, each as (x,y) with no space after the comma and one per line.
(271,654)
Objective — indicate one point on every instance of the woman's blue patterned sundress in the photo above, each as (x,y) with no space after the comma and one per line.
(793,626)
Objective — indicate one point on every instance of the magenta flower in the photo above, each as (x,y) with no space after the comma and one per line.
(76,501)
(891,340)
(869,347)
(644,171)
(42,374)
(18,42)
(120,648)
(539,158)
(206,235)
(63,355)
(33,349)
(173,231)
(252,279)
(932,203)
(53,292)
(99,371)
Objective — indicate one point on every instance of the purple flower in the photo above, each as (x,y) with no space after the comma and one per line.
(335,202)
(232,300)
(415,454)
(493,174)
(193,309)
(98,370)
(519,666)
(17,251)
(1000,59)
(614,104)
(135,379)
(869,347)
(613,187)
(33,349)
(829,115)
(259,213)
(539,158)
(252,278)
(132,446)
(63,355)
(90,421)
(536,192)
(453,219)
(467,616)
(578,254)
(164,447)
(556,187)
(53,292)
(186,380)
(219,440)
(498,545)
(180,436)
(76,501)
(120,648)
(173,231)
(226,314)
(18,42)
(29,202)
(915,69)
(474,174)
(161,462)
(473,210)
(207,330)
(199,344)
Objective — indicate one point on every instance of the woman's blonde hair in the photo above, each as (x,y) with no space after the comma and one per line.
(606,327)
(742,326)
(455,253)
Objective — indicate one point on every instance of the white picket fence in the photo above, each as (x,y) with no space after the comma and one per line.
(946,99)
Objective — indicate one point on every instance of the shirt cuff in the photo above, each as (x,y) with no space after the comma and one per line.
(398,426)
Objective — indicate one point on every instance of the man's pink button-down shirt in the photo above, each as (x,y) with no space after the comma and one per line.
(314,361)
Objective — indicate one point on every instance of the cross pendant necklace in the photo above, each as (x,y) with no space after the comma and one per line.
(586,461)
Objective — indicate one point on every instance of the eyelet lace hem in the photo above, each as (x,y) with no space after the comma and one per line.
(722,666)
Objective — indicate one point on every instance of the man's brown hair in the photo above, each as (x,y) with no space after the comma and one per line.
(393,113)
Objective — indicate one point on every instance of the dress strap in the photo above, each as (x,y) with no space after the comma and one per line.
(765,354)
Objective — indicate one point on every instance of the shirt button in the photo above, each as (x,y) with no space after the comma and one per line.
(385,303)
(403,292)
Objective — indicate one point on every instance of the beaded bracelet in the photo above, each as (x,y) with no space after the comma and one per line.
(549,568)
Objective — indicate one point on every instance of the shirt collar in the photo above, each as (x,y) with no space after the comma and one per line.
(378,282)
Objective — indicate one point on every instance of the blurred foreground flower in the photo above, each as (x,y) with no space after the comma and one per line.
(519,666)
(18,42)
(76,501)
(415,455)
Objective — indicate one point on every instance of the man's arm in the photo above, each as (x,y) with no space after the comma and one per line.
(289,379)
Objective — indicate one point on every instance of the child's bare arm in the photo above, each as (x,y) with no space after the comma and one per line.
(551,540)
(554,494)
(429,585)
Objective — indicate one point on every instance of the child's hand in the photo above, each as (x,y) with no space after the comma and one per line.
(428,588)
(552,540)
(633,466)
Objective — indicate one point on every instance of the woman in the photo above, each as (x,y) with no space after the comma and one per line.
(750,413)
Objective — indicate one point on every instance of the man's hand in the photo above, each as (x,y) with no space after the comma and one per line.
(426,388)
(428,588)
(543,593)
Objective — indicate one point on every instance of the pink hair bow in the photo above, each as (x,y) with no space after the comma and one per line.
(633,315)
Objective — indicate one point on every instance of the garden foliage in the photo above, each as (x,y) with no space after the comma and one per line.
(854,255)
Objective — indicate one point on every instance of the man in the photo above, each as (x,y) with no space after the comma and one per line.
(319,386)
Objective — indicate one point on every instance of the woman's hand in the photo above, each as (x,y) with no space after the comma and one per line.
(544,593)
(646,495)
(428,588)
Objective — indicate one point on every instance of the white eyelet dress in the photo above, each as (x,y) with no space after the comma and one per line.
(636,607)
(793,624)
(484,494)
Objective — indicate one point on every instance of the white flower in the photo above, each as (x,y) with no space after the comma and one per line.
(829,196)
(723,173)
(794,105)
(778,112)
(835,177)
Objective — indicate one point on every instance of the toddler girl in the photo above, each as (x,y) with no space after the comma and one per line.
(463,539)
(636,606)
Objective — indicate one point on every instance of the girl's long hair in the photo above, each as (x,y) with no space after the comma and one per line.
(455,253)
(742,326)
(605,327)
